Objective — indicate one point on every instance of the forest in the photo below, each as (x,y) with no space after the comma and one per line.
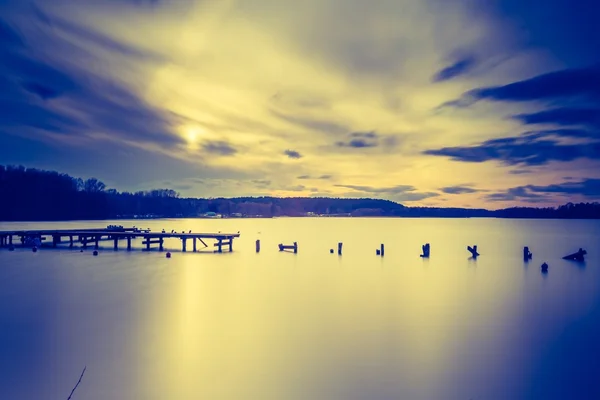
(28,194)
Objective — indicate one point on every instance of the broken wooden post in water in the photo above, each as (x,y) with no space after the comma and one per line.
(340,244)
(426,249)
(527,255)
(579,256)
(544,267)
(473,251)
(258,245)
(294,247)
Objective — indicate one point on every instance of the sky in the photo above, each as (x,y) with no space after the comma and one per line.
(452,103)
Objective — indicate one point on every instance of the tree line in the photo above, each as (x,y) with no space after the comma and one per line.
(29,194)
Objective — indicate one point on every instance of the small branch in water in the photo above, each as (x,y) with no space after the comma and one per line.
(78,382)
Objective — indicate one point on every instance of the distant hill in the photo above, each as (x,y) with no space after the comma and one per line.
(28,194)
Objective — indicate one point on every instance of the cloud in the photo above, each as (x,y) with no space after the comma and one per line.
(458,190)
(535,193)
(575,83)
(49,93)
(90,36)
(313,124)
(564,116)
(323,177)
(401,193)
(530,148)
(292,154)
(458,68)
(520,193)
(359,140)
(220,147)
(261,183)
(520,171)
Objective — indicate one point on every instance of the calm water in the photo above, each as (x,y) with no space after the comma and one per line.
(312,325)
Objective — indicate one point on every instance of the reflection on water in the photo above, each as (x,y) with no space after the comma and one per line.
(311,325)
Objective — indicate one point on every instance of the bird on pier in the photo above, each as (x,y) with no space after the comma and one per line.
(172,230)
(190,231)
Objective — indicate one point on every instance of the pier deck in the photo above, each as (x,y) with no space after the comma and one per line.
(88,237)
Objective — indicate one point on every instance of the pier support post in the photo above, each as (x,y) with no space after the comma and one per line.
(10,240)
(96,244)
(160,244)
(128,242)
(116,243)
(147,243)
(71,241)
(340,244)
(230,245)
(258,245)
(473,251)
(220,246)
(194,241)
(382,251)
(295,247)
(54,240)
(527,255)
(184,241)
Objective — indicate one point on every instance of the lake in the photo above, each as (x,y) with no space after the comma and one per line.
(312,325)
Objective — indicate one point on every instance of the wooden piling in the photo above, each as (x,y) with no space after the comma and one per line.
(340,244)
(71,241)
(161,242)
(194,242)
(230,245)
(382,250)
(128,242)
(473,251)
(116,243)
(258,245)
(426,250)
(184,244)
(97,240)
(527,255)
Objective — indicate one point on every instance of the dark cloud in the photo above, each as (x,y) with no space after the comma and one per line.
(313,124)
(219,147)
(324,177)
(387,190)
(582,84)
(520,193)
(587,187)
(460,67)
(44,90)
(563,116)
(520,171)
(458,190)
(292,154)
(534,193)
(530,148)
(92,37)
(359,140)
(261,183)
(9,37)
(403,193)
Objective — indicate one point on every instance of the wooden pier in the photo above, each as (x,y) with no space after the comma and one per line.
(92,237)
